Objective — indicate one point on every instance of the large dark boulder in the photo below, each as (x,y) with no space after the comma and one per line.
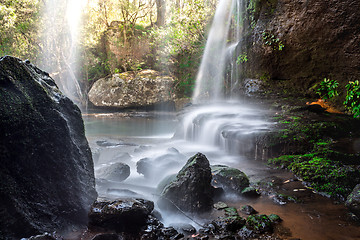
(121,215)
(47,177)
(191,191)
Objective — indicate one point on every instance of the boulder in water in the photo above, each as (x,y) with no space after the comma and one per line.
(115,172)
(132,89)
(120,215)
(230,179)
(47,178)
(191,191)
(155,167)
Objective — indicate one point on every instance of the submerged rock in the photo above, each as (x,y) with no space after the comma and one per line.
(191,191)
(155,167)
(47,176)
(132,89)
(248,210)
(230,179)
(353,201)
(121,215)
(115,172)
(184,228)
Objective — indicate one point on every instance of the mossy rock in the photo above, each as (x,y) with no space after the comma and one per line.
(259,223)
(230,179)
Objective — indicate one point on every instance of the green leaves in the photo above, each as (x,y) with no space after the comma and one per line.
(352,99)
(328,89)
(242,58)
(270,40)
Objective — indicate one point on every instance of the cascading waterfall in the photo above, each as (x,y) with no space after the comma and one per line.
(227,124)
(60,48)
(219,53)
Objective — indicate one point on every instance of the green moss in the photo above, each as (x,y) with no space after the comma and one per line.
(324,175)
(231,212)
(308,143)
(259,223)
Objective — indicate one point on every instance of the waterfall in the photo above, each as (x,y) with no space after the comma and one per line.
(60,47)
(217,119)
(220,49)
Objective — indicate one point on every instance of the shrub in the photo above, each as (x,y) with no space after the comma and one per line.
(352,99)
(328,89)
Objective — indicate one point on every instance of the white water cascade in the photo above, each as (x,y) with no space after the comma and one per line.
(60,44)
(214,121)
(220,50)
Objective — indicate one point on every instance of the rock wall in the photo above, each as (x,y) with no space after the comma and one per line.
(132,89)
(320,38)
(46,175)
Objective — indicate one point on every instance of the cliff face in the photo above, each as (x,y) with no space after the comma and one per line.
(320,39)
(46,176)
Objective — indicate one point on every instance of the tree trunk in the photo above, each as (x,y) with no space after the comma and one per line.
(161,12)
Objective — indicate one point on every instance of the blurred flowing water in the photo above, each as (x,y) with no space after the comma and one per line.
(61,32)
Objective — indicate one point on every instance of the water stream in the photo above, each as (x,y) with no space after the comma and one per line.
(156,145)
(131,137)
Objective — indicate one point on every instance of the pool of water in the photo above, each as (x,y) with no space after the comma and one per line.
(131,137)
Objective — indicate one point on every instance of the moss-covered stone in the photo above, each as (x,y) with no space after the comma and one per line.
(259,223)
(191,191)
(230,179)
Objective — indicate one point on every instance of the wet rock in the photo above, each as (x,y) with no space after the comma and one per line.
(164,182)
(156,230)
(230,224)
(169,232)
(155,167)
(220,205)
(142,148)
(121,215)
(252,86)
(248,210)
(47,178)
(274,218)
(191,191)
(209,229)
(45,236)
(250,192)
(246,233)
(145,167)
(230,179)
(106,143)
(353,201)
(231,211)
(184,228)
(115,172)
(173,150)
(132,89)
(259,223)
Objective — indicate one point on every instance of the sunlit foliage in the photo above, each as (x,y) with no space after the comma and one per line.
(18,28)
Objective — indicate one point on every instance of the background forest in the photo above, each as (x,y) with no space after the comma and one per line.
(113,35)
